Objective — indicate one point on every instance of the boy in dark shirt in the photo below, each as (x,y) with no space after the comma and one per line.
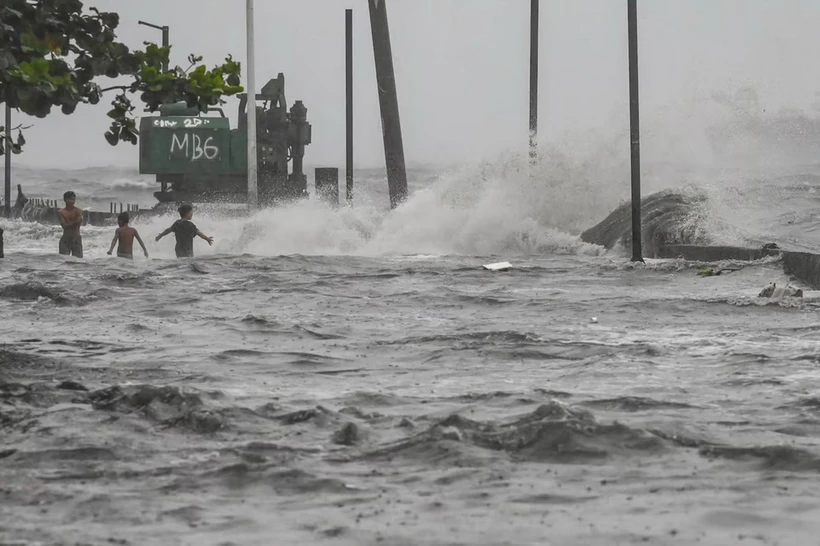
(185,231)
(71,218)
(125,235)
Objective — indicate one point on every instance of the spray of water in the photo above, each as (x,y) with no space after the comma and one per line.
(505,207)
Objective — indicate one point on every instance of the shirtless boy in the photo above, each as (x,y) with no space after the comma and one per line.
(71,218)
(125,234)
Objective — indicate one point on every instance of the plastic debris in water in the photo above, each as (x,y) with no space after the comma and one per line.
(498,266)
(779,292)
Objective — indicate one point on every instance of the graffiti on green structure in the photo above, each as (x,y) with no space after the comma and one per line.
(188,123)
(190,145)
(194,147)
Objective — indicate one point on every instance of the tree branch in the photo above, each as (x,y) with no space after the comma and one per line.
(120,87)
(40,35)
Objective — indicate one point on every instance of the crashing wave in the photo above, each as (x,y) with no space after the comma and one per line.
(666,218)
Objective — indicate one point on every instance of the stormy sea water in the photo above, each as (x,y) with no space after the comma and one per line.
(354,377)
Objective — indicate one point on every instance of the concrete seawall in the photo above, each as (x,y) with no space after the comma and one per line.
(48,215)
(44,211)
(668,232)
(803,265)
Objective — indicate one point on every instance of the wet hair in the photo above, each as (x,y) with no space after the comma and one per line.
(69,196)
(185,209)
(123,219)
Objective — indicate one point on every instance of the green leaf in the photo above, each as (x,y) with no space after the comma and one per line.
(53,53)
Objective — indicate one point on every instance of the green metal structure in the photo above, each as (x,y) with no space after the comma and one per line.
(199,158)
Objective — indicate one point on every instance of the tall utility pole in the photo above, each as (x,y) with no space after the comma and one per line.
(7,148)
(253,197)
(349,106)
(388,103)
(534,16)
(165,38)
(634,130)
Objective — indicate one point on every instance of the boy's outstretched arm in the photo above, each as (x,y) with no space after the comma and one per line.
(139,240)
(114,241)
(164,233)
(203,236)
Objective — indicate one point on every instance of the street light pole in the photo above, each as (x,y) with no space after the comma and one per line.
(634,129)
(349,106)
(252,159)
(7,148)
(165,37)
(534,20)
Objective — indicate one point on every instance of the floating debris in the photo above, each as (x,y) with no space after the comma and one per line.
(498,266)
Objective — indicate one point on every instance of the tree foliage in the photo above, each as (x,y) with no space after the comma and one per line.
(53,55)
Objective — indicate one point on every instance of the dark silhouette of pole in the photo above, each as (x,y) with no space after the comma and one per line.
(165,38)
(7,148)
(165,43)
(634,130)
(388,103)
(349,105)
(533,79)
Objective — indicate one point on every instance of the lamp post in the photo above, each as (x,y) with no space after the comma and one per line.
(349,106)
(534,15)
(7,148)
(252,159)
(165,39)
(634,129)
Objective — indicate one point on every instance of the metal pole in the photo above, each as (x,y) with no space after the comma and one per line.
(7,147)
(165,43)
(634,130)
(165,39)
(349,104)
(252,159)
(388,103)
(534,19)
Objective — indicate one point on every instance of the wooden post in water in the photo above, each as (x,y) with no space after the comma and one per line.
(349,106)
(7,148)
(534,20)
(388,103)
(634,130)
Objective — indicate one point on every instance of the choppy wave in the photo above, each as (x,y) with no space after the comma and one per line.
(666,218)
(385,390)
(359,364)
(497,209)
(494,208)
(552,432)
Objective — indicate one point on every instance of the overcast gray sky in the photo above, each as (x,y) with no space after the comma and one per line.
(462,68)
